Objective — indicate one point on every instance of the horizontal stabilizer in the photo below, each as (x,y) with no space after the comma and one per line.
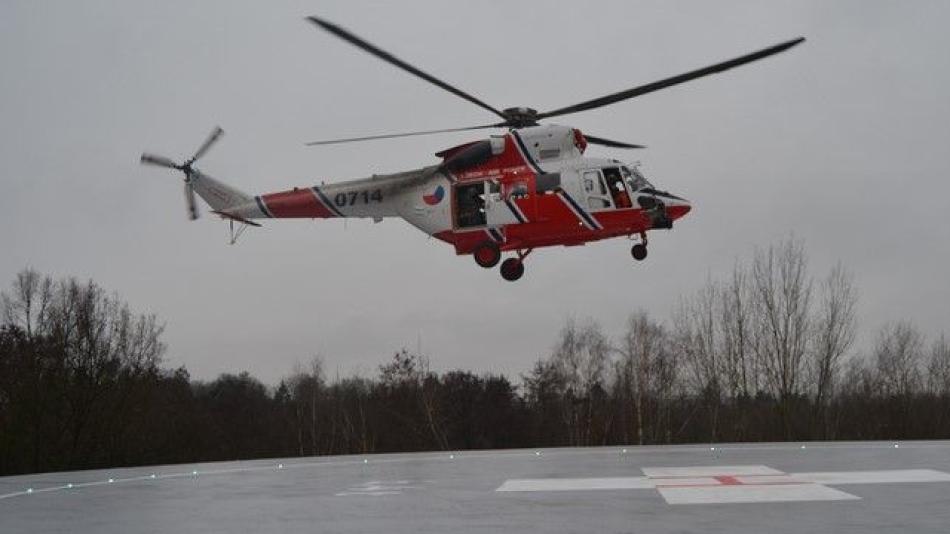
(226,215)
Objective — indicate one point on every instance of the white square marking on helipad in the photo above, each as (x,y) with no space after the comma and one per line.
(733,484)
(710,471)
(685,481)
(874,477)
(571,484)
(753,494)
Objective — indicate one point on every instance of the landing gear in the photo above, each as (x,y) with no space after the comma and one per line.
(639,251)
(487,254)
(512,269)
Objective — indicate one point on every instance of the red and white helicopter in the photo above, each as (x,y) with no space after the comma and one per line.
(528,188)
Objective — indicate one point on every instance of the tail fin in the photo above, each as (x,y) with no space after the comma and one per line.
(219,195)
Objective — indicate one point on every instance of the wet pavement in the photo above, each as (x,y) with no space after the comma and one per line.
(774,488)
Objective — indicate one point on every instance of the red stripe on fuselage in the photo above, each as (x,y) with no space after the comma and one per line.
(300,202)
(509,162)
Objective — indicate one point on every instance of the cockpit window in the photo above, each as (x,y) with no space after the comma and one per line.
(615,180)
(634,179)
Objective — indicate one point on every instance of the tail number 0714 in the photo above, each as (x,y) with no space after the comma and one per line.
(364,197)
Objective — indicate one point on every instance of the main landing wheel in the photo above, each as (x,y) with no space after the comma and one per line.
(639,251)
(512,269)
(487,254)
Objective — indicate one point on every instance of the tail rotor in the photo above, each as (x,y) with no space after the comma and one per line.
(191,204)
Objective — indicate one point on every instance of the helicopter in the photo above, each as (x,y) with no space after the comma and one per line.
(527,188)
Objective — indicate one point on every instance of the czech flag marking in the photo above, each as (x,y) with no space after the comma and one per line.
(435,197)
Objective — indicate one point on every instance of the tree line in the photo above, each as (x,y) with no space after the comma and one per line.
(766,353)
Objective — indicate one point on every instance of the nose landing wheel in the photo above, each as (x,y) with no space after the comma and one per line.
(639,252)
(512,269)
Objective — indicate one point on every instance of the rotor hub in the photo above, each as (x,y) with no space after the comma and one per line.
(520,117)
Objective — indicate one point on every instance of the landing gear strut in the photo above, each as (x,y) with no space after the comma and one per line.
(639,251)
(513,268)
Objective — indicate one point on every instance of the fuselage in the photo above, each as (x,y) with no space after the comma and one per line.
(532,187)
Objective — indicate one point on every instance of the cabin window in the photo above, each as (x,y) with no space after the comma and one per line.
(470,204)
(593,184)
(595,189)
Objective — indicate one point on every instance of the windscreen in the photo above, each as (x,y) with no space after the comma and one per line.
(635,180)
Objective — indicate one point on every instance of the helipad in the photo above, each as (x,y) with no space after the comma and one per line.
(775,488)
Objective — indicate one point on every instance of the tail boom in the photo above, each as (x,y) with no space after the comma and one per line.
(299,202)
(375,197)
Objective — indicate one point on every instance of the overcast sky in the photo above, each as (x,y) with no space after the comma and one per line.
(842,141)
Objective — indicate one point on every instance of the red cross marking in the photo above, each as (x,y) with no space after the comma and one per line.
(728,480)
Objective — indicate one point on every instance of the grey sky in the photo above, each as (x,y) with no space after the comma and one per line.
(842,141)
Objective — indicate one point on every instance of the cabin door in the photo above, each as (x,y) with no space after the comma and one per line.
(500,207)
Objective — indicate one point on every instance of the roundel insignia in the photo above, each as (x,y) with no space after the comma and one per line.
(435,197)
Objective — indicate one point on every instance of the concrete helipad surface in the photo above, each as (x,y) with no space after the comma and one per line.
(773,488)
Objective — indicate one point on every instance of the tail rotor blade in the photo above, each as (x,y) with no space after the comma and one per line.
(190,201)
(159,161)
(212,138)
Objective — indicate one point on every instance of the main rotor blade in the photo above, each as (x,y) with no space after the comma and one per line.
(212,137)
(669,82)
(160,161)
(609,142)
(404,134)
(393,60)
(190,203)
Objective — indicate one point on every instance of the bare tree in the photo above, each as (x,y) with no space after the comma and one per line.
(695,338)
(307,384)
(695,325)
(938,369)
(642,351)
(898,355)
(833,336)
(28,304)
(580,359)
(412,371)
(316,375)
(782,297)
(740,369)
(88,355)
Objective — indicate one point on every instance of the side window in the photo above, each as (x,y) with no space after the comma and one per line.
(595,189)
(593,182)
